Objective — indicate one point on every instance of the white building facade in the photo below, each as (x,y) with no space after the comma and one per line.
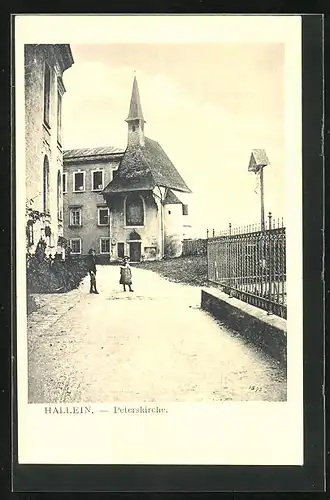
(44,91)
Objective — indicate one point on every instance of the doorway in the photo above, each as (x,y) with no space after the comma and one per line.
(135,251)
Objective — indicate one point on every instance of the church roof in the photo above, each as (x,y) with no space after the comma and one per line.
(135,108)
(143,168)
(171,198)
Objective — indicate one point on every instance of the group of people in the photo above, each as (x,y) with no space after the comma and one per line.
(125,272)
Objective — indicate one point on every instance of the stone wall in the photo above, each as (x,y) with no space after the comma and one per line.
(266,332)
(173,224)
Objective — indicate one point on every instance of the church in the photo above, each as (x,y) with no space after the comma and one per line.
(142,197)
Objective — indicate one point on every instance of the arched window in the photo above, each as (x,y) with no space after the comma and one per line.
(134,235)
(46,185)
(134,210)
(59,188)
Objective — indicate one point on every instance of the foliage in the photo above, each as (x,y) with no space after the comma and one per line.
(33,215)
(54,276)
(46,274)
(63,242)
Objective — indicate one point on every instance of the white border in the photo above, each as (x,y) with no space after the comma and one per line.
(224,433)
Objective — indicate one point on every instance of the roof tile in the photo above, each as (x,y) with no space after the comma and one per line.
(144,168)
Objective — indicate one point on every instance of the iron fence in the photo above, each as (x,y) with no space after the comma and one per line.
(251,265)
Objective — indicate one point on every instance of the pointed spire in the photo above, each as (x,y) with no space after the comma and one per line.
(135,109)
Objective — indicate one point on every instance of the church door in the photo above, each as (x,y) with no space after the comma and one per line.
(135,251)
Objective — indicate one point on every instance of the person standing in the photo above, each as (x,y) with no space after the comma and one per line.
(126,274)
(91,263)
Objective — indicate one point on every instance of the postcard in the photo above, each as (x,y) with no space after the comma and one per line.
(158,171)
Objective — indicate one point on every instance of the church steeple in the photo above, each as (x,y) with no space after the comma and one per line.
(135,118)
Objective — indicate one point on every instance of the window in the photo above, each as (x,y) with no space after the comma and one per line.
(104,245)
(114,173)
(97,180)
(134,210)
(103,216)
(59,117)
(120,250)
(75,217)
(59,200)
(169,212)
(78,181)
(47,77)
(64,182)
(46,185)
(75,245)
(184,209)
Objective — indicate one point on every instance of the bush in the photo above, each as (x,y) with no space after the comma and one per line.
(54,276)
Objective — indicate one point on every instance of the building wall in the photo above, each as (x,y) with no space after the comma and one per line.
(150,233)
(89,201)
(173,222)
(42,139)
(161,234)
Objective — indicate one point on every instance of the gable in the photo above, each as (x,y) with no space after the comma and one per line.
(171,198)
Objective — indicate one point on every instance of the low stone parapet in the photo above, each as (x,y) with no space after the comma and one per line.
(266,332)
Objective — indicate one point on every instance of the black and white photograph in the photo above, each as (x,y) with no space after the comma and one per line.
(158,235)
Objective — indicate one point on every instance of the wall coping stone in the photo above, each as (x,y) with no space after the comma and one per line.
(255,312)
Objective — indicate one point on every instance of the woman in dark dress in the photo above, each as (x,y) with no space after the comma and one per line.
(126,274)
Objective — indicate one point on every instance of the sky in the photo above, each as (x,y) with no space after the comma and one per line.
(208,105)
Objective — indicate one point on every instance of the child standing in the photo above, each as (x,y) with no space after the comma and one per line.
(126,274)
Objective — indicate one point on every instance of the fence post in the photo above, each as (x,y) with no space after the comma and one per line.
(207,234)
(229,262)
(269,263)
(213,233)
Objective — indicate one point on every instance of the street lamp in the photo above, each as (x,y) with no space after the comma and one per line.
(258,160)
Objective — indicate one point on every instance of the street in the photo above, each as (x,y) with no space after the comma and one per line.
(152,345)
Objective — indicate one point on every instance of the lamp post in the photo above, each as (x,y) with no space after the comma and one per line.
(262,199)
(258,160)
